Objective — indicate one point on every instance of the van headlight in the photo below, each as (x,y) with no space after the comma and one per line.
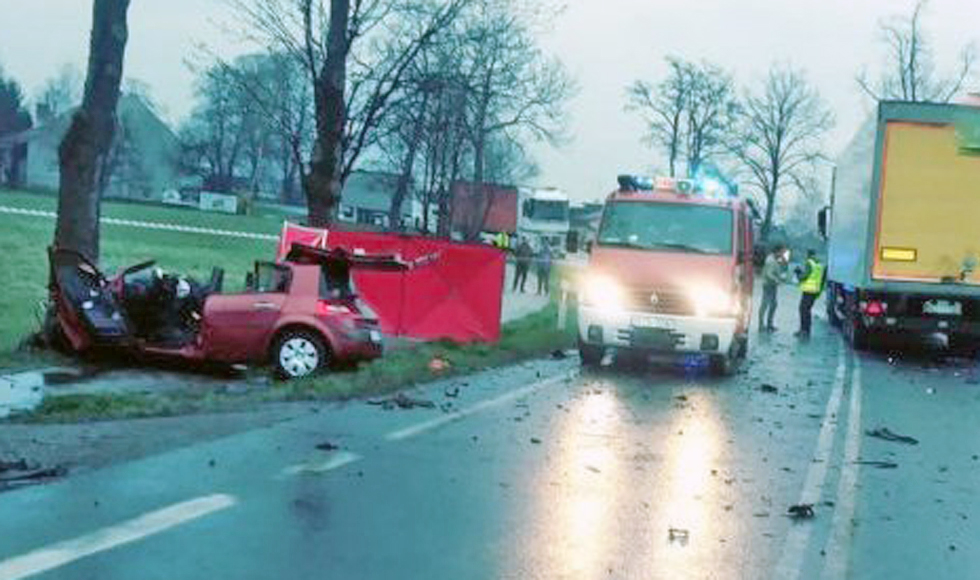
(711,301)
(603,292)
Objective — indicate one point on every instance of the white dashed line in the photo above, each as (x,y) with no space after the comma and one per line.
(323,464)
(794,550)
(838,544)
(60,554)
(424,426)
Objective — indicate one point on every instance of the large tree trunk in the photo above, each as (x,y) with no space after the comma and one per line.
(89,137)
(323,184)
(408,165)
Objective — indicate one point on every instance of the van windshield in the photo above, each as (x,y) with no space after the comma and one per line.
(667,226)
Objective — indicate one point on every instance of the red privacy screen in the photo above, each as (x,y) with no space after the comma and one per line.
(455,295)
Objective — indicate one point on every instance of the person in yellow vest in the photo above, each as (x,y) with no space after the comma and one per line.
(812,277)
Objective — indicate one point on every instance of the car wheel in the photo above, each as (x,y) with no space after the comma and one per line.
(590,354)
(299,353)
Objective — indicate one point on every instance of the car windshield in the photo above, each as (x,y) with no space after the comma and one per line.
(667,226)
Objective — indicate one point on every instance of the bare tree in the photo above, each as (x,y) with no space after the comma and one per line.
(781,136)
(378,40)
(688,112)
(909,73)
(90,135)
(663,107)
(63,91)
(711,111)
(516,92)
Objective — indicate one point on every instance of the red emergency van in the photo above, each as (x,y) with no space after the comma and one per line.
(669,275)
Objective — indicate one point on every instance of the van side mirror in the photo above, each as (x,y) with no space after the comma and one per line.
(823,221)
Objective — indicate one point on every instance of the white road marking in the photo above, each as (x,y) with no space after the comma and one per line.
(424,426)
(794,550)
(148,225)
(837,549)
(322,465)
(155,522)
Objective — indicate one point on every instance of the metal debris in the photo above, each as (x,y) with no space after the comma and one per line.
(889,435)
(801,511)
(327,446)
(767,388)
(878,464)
(402,401)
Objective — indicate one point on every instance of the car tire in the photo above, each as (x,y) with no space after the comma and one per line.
(299,353)
(590,354)
(857,336)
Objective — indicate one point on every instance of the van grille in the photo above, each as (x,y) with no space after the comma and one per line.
(668,301)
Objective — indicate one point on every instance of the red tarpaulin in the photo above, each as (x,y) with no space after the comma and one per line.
(457,295)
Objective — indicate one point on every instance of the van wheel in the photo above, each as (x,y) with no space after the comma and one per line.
(299,353)
(591,355)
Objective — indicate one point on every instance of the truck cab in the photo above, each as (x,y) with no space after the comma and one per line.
(543,217)
(669,275)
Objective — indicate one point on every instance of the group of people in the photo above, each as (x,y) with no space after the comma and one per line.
(524,258)
(811,278)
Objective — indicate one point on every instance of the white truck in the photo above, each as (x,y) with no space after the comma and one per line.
(543,217)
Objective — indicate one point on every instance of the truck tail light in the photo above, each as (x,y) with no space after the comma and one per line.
(874,308)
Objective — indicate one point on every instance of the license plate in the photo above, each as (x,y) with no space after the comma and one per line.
(943,307)
(375,336)
(653,322)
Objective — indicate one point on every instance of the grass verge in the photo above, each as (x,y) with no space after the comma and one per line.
(530,337)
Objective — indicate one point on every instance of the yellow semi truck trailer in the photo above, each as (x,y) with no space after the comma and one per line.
(904,226)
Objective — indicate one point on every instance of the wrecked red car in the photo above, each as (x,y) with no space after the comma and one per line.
(300,315)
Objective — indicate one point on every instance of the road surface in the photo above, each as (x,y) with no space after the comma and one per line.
(545,471)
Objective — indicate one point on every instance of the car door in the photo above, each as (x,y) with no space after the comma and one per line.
(237,326)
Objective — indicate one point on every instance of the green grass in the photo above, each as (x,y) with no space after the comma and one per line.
(23,261)
(530,337)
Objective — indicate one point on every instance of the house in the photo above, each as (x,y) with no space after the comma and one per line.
(367,196)
(142,163)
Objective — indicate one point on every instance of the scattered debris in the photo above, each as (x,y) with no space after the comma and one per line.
(20,473)
(878,464)
(760,515)
(327,446)
(682,398)
(558,354)
(767,388)
(801,511)
(931,391)
(451,392)
(402,401)
(535,440)
(593,469)
(889,435)
(438,364)
(678,535)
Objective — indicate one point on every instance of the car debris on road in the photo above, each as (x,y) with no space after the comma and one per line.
(20,473)
(889,435)
(402,401)
(800,511)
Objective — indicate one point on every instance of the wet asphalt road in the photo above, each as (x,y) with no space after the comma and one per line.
(541,471)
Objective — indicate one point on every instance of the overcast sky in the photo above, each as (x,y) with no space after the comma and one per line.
(606,44)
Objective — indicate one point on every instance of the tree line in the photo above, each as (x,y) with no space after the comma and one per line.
(769,136)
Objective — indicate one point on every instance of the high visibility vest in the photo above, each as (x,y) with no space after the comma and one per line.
(813,283)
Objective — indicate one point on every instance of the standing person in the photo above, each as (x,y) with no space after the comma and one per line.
(522,262)
(812,279)
(773,274)
(543,270)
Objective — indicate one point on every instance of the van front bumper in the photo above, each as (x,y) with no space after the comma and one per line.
(655,333)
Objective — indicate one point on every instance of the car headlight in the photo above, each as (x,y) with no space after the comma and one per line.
(712,301)
(603,292)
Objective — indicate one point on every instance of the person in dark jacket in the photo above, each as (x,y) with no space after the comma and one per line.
(773,274)
(543,269)
(522,263)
